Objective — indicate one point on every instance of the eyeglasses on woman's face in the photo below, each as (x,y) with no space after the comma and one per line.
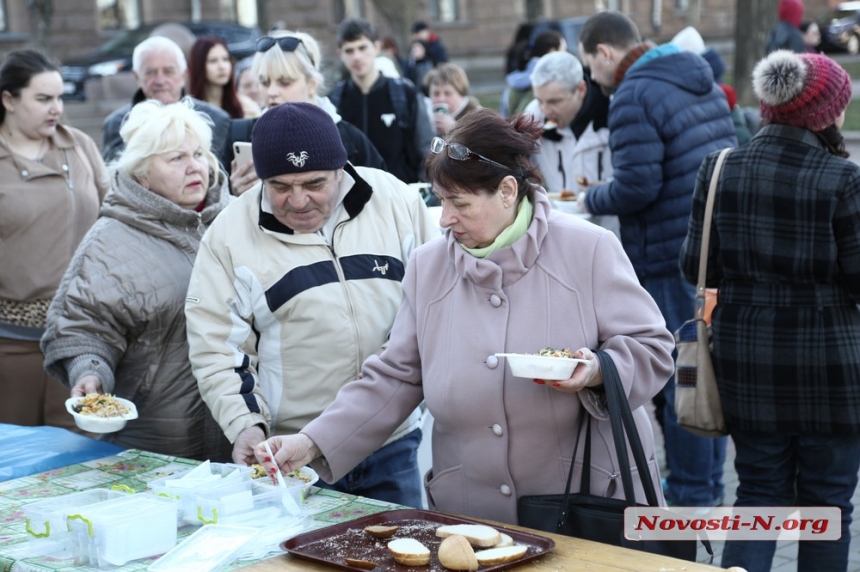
(287,44)
(460,152)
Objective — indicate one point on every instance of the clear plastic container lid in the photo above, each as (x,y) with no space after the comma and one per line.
(211,548)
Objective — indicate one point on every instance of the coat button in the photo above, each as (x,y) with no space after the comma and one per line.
(25,173)
(492,362)
(495,301)
(497,429)
(505,490)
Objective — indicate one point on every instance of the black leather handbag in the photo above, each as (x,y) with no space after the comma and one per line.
(591,517)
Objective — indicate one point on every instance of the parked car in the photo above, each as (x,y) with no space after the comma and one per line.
(841,28)
(114,56)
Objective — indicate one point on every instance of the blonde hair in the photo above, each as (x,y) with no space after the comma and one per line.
(275,63)
(152,128)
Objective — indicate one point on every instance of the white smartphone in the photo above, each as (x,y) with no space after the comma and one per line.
(242,152)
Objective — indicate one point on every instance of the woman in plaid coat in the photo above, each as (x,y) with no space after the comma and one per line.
(785,255)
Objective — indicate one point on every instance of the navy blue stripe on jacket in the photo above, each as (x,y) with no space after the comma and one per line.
(355,267)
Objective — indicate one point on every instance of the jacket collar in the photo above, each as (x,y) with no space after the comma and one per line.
(595,109)
(507,265)
(353,202)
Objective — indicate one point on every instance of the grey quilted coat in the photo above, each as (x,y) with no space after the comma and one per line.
(119,314)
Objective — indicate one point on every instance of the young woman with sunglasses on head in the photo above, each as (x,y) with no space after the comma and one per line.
(210,71)
(511,274)
(287,67)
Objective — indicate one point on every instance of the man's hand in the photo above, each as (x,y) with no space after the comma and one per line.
(242,178)
(291,452)
(86,385)
(243,448)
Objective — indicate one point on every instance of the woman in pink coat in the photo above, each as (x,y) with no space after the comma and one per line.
(510,275)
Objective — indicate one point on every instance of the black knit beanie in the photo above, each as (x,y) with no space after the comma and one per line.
(296,138)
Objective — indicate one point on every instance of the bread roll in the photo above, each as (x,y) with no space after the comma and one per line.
(479,535)
(409,552)
(500,555)
(455,553)
(380,531)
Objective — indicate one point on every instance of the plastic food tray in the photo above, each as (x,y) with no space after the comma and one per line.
(170,486)
(332,544)
(211,548)
(248,503)
(117,531)
(46,520)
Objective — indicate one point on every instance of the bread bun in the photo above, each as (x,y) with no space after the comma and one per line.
(380,531)
(409,552)
(479,535)
(455,553)
(505,541)
(358,563)
(500,555)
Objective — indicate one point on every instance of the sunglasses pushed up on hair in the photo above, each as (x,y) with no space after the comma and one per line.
(460,152)
(287,44)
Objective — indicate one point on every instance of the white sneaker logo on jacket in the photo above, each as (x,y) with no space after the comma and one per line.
(387,118)
(381,269)
(298,161)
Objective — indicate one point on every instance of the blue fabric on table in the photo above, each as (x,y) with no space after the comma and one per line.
(31,450)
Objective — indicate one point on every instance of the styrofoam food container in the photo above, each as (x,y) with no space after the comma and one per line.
(101,424)
(46,526)
(116,531)
(292,482)
(210,548)
(541,367)
(185,485)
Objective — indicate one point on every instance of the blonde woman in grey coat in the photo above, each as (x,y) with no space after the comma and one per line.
(117,323)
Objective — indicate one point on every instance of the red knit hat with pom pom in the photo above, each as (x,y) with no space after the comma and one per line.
(804,90)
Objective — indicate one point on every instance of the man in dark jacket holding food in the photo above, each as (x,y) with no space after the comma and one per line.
(667,114)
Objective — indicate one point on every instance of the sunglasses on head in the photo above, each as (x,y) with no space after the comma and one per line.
(460,152)
(287,44)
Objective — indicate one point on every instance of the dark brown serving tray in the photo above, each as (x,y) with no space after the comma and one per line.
(332,544)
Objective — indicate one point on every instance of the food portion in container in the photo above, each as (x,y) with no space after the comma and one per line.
(101,413)
(101,405)
(552,352)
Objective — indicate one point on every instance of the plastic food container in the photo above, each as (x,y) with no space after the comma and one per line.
(209,549)
(119,530)
(248,503)
(185,485)
(541,367)
(95,424)
(45,522)
(309,480)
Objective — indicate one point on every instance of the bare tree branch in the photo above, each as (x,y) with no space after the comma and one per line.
(41,12)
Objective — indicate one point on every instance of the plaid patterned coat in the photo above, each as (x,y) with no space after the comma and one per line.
(785,254)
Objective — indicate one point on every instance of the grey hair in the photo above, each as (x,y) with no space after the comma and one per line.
(157,44)
(562,67)
(152,128)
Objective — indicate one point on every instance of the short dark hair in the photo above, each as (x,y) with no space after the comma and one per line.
(509,141)
(355,29)
(545,42)
(419,26)
(609,27)
(18,69)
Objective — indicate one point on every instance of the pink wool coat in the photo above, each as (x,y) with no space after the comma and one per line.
(565,284)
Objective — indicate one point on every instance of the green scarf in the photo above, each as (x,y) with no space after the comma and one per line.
(511,234)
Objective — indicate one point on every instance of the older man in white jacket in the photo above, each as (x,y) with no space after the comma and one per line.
(296,284)
(574,150)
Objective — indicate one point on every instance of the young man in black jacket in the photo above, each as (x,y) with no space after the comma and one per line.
(391,112)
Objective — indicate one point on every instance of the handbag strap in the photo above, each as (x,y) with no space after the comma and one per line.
(622,423)
(706,234)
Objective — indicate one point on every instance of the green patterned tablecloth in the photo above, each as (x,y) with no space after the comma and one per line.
(133,469)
